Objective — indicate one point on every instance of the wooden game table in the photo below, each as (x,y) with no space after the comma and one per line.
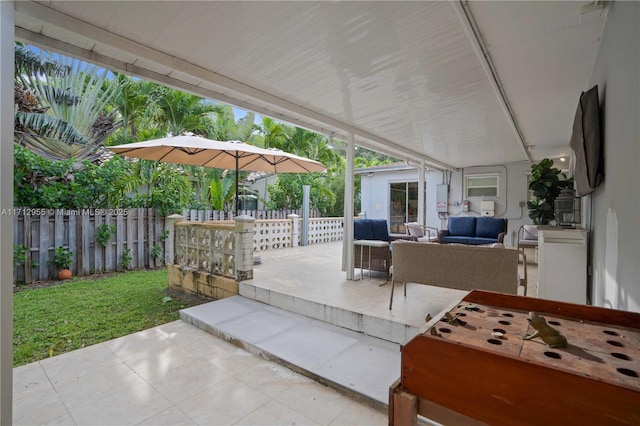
(479,370)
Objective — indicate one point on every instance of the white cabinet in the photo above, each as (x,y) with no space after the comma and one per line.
(562,265)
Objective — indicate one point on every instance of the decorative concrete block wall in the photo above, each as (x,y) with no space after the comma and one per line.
(210,258)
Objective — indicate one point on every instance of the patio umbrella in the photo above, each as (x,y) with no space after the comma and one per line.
(233,155)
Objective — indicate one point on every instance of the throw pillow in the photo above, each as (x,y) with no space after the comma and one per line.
(530,232)
(415,229)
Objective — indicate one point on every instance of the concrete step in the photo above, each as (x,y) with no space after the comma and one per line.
(354,363)
(349,318)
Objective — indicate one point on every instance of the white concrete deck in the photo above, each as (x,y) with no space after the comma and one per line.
(308,280)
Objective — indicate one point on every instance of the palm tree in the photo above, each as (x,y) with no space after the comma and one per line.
(28,61)
(29,115)
(274,133)
(222,126)
(135,104)
(180,112)
(64,115)
(164,186)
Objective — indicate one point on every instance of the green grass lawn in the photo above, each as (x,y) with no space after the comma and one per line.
(57,319)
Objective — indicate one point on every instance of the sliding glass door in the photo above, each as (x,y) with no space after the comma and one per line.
(403,205)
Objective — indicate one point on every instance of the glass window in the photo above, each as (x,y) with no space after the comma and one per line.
(403,205)
(482,185)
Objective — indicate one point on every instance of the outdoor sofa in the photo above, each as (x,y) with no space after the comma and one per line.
(474,231)
(457,266)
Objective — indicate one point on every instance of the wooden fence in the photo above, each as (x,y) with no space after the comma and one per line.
(139,235)
(38,232)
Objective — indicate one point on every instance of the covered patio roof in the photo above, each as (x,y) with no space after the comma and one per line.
(456,84)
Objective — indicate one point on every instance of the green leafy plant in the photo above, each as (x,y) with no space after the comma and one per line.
(104,233)
(71,117)
(19,254)
(164,235)
(156,251)
(62,258)
(546,183)
(126,258)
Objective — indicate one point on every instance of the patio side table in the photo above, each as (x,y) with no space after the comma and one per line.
(369,244)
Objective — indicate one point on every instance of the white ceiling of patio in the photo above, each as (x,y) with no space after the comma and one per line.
(407,78)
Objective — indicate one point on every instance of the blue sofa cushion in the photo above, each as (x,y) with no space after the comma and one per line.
(478,241)
(379,228)
(454,240)
(362,230)
(462,226)
(489,227)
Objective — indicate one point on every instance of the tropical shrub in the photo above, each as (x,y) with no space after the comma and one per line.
(62,258)
(43,183)
(126,258)
(19,254)
(62,113)
(104,233)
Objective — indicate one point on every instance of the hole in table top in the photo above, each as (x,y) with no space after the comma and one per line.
(444,330)
(504,322)
(554,322)
(615,343)
(494,341)
(627,372)
(611,332)
(554,355)
(499,330)
(618,355)
(507,314)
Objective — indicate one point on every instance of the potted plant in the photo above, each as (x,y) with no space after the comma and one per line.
(546,183)
(62,259)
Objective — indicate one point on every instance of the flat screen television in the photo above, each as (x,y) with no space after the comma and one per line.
(586,143)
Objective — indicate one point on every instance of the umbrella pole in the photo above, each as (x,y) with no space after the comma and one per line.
(237,198)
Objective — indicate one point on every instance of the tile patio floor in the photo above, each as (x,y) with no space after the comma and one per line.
(177,374)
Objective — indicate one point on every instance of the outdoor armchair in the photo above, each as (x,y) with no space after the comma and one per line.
(527,237)
(421,233)
(372,249)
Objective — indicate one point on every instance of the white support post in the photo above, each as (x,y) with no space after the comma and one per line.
(347,241)
(295,229)
(422,219)
(6,201)
(243,255)
(170,243)
(306,195)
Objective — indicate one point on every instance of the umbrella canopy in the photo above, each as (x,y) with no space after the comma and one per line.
(234,155)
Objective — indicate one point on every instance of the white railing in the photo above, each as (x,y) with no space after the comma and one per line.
(325,230)
(282,233)
(207,215)
(272,234)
